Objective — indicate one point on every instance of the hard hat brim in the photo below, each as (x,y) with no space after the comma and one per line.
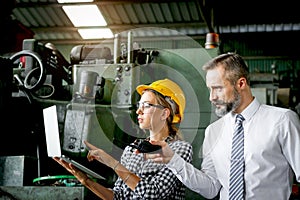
(141,88)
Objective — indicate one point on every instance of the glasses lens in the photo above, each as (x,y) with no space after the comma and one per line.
(146,105)
(143,105)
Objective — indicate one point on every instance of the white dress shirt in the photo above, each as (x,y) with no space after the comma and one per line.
(271,149)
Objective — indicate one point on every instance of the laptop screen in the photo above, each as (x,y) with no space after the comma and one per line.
(52,131)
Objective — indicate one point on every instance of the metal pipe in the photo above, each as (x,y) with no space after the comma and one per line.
(129,48)
(116,48)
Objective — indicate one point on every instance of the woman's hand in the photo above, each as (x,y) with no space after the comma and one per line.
(81,176)
(100,155)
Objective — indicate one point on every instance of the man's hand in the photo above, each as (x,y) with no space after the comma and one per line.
(164,156)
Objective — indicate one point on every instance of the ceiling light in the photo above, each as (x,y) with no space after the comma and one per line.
(74,1)
(96,33)
(85,15)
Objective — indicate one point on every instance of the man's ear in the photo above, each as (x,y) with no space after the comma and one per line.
(242,82)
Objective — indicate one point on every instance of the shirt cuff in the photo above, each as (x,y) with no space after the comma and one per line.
(176,164)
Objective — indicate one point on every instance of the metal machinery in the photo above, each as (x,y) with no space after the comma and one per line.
(275,81)
(95,94)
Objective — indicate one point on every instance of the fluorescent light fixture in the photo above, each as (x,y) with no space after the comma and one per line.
(96,33)
(74,1)
(85,15)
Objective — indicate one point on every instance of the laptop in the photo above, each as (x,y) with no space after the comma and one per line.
(53,141)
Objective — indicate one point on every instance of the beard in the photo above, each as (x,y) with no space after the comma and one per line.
(225,107)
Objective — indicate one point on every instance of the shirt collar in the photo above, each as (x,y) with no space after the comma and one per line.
(249,111)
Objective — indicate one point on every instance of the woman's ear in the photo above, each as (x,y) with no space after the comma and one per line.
(165,114)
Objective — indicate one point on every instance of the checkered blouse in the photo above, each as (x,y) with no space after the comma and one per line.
(157,181)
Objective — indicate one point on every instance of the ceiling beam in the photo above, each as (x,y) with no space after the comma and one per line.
(101,2)
(118,27)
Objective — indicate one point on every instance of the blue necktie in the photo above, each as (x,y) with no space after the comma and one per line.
(236,180)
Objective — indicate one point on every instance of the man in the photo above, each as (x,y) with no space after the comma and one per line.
(270,144)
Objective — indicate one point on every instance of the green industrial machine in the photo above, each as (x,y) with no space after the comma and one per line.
(95,93)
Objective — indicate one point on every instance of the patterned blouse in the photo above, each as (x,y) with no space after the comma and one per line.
(157,181)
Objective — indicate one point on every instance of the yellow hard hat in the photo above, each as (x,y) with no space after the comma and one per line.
(167,88)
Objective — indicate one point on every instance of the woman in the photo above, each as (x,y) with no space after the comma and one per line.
(160,108)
